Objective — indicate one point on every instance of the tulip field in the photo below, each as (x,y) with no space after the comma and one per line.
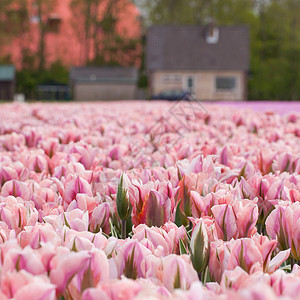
(149,200)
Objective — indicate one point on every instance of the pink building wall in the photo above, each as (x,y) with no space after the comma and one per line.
(65,45)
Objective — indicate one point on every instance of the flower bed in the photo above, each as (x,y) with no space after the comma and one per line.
(148,201)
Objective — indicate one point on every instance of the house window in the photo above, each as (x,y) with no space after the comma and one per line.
(53,23)
(225,83)
(171,78)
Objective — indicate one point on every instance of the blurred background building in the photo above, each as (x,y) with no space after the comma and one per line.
(210,62)
(103,83)
(7,82)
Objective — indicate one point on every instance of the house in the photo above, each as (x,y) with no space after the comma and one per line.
(7,82)
(103,83)
(212,62)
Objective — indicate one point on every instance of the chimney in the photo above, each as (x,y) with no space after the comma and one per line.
(212,33)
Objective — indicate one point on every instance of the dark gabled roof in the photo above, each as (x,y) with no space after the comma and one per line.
(7,72)
(184,47)
(104,74)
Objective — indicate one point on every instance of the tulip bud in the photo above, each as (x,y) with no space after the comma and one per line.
(100,218)
(123,204)
(199,248)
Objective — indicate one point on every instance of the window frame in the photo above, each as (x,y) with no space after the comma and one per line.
(225,89)
(171,78)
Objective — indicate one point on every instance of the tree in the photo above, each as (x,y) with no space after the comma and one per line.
(13,21)
(196,11)
(41,9)
(97,27)
(275,54)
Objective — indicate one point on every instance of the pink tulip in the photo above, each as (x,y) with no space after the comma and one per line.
(72,168)
(209,223)
(216,260)
(225,221)
(76,185)
(50,146)
(87,156)
(76,219)
(155,210)
(234,279)
(225,156)
(41,196)
(65,265)
(283,163)
(13,141)
(118,290)
(94,294)
(26,259)
(286,284)
(166,189)
(198,291)
(85,202)
(100,218)
(279,225)
(265,247)
(83,240)
(177,272)
(5,232)
(156,236)
(200,205)
(129,259)
(245,254)
(32,136)
(175,234)
(17,189)
(264,161)
(23,285)
(36,162)
(6,174)
(197,165)
(140,198)
(186,184)
(283,224)
(99,266)
(250,257)
(36,290)
(246,217)
(16,213)
(37,234)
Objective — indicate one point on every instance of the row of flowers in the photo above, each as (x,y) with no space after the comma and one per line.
(208,208)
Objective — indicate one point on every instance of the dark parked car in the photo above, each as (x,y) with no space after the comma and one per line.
(172,95)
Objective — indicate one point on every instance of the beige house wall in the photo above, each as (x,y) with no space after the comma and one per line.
(96,91)
(205,83)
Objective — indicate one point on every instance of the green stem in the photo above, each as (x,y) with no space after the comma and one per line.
(200,276)
(205,275)
(263,229)
(292,263)
(123,228)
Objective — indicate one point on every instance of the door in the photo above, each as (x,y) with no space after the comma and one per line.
(190,84)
